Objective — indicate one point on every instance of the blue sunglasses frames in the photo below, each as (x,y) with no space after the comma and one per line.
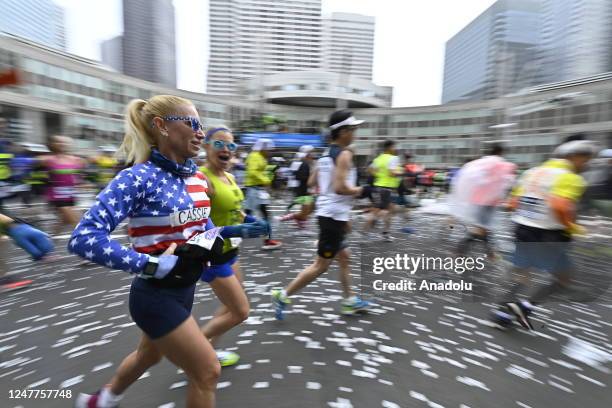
(220,144)
(195,123)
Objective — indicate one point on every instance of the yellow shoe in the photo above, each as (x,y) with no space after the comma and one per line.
(227,358)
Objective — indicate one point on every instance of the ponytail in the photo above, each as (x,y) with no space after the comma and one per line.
(140,135)
(138,139)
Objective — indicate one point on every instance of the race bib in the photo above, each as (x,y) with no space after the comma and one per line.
(205,239)
(532,208)
(192,215)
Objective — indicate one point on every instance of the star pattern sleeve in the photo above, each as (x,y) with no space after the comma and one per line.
(92,240)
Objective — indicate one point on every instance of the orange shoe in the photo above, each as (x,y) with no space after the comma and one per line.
(271,244)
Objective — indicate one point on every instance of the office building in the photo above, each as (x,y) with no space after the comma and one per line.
(41,21)
(112,53)
(576,38)
(348,44)
(149,50)
(495,54)
(250,38)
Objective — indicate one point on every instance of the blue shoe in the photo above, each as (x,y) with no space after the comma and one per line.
(502,320)
(354,305)
(408,230)
(522,311)
(280,302)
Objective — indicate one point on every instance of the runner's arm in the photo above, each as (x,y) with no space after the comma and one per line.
(91,238)
(343,165)
(394,167)
(565,193)
(312,180)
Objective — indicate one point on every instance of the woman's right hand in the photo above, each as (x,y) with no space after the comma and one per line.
(167,262)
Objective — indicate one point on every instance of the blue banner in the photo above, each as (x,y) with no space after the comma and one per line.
(283,139)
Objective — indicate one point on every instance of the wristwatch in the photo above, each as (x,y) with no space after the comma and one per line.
(150,268)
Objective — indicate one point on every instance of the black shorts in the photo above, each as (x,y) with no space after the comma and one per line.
(547,250)
(331,237)
(381,197)
(63,203)
(524,233)
(158,311)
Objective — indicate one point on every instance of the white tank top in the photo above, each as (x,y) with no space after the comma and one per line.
(330,204)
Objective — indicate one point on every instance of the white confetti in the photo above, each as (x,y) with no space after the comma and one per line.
(223,384)
(473,383)
(179,384)
(72,381)
(313,386)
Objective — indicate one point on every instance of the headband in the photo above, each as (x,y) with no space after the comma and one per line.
(212,131)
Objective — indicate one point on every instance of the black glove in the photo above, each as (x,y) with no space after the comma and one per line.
(200,254)
(185,273)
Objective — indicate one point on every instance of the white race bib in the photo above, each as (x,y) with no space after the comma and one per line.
(205,239)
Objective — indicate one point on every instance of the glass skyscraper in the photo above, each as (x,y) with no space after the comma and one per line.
(41,21)
(495,54)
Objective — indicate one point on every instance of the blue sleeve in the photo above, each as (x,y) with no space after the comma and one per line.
(91,239)
(209,225)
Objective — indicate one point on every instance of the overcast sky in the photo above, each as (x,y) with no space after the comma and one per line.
(408,49)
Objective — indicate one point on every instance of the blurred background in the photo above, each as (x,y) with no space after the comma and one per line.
(528,72)
(446,80)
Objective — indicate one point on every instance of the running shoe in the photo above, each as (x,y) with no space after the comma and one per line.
(386,237)
(90,401)
(408,230)
(227,358)
(501,320)
(354,305)
(280,302)
(9,283)
(271,244)
(522,312)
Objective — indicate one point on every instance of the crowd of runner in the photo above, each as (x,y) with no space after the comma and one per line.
(186,222)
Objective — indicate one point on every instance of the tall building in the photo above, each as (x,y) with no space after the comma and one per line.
(249,38)
(112,53)
(149,50)
(495,54)
(576,38)
(41,21)
(348,44)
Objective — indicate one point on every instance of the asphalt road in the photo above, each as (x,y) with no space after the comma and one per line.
(71,329)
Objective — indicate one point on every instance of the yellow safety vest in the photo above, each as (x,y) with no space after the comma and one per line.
(383,176)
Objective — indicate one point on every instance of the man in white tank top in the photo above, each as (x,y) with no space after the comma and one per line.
(336,178)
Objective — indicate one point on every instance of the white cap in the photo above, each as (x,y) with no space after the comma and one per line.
(306,149)
(342,118)
(575,147)
(263,144)
(300,155)
(350,121)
